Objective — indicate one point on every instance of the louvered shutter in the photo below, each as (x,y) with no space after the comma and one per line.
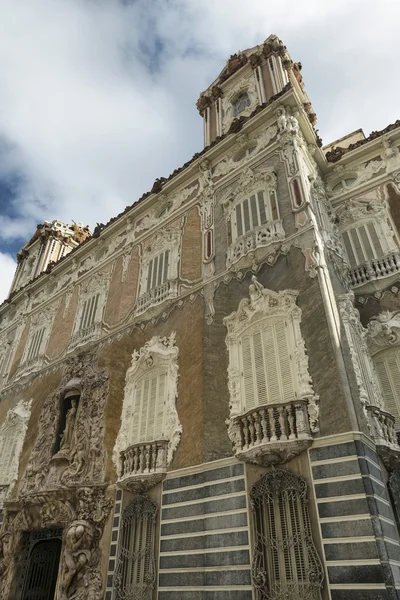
(267,369)
(137,405)
(159,422)
(148,410)
(388,367)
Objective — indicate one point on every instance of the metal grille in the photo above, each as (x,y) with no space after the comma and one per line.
(40,567)
(286,565)
(135,573)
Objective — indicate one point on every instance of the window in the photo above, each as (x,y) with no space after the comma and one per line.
(135,572)
(148,408)
(260,208)
(387,364)
(89,310)
(158,270)
(240,104)
(35,345)
(362,243)
(267,369)
(285,563)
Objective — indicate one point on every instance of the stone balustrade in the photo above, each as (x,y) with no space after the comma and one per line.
(272,434)
(375,269)
(258,237)
(31,365)
(157,295)
(383,433)
(143,465)
(84,336)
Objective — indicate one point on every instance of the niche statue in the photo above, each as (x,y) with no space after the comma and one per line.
(67,435)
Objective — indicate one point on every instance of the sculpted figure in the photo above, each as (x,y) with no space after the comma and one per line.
(5,553)
(67,436)
(77,555)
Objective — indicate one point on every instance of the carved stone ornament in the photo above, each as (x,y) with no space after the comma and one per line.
(97,284)
(383,331)
(356,335)
(245,85)
(158,354)
(12,434)
(67,491)
(41,320)
(165,239)
(248,180)
(261,305)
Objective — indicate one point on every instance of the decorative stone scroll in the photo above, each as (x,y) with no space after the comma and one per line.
(12,434)
(383,331)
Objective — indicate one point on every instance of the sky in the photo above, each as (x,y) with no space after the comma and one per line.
(97,97)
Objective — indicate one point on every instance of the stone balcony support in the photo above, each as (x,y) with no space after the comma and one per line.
(259,237)
(273,433)
(143,465)
(377,268)
(384,435)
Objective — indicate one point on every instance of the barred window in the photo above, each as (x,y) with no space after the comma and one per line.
(135,572)
(268,372)
(147,423)
(285,563)
(35,346)
(363,243)
(158,270)
(387,364)
(260,208)
(89,311)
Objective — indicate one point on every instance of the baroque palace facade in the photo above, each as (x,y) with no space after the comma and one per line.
(200,400)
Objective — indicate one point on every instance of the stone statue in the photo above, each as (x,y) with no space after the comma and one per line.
(67,436)
(77,555)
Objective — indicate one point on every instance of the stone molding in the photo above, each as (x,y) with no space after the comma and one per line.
(158,352)
(383,331)
(13,430)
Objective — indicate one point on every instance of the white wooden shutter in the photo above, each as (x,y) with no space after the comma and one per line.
(267,366)
(363,243)
(388,367)
(35,344)
(148,408)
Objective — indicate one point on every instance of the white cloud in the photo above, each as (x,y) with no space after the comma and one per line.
(7,269)
(98,96)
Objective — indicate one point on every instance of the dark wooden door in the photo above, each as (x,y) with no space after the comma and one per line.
(41,576)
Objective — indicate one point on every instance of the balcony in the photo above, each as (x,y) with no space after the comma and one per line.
(254,240)
(84,336)
(272,434)
(157,295)
(143,465)
(374,269)
(383,433)
(30,366)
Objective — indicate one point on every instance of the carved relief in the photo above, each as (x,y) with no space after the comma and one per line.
(364,370)
(12,434)
(245,85)
(383,331)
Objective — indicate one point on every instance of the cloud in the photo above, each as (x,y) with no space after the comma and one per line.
(98,96)
(7,269)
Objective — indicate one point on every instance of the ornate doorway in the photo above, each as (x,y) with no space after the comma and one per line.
(42,558)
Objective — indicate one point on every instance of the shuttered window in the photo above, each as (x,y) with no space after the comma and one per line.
(89,311)
(362,243)
(135,572)
(387,364)
(254,211)
(267,368)
(286,564)
(158,270)
(148,408)
(35,344)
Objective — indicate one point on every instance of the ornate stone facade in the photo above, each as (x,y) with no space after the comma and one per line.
(149,380)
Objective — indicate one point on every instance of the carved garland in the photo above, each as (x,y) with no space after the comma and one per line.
(264,303)
(12,434)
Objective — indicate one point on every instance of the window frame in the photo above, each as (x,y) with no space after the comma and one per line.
(255,192)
